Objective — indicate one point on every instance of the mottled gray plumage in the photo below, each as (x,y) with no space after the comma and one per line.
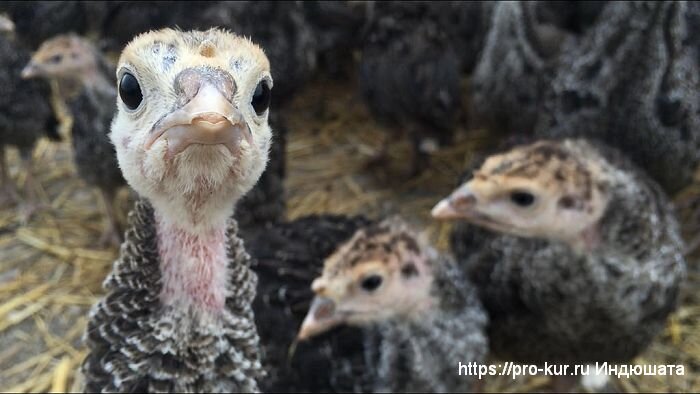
(633,82)
(468,24)
(25,113)
(515,66)
(410,75)
(137,345)
(424,354)
(92,110)
(547,302)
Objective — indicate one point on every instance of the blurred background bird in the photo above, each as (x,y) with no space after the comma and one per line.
(85,82)
(25,116)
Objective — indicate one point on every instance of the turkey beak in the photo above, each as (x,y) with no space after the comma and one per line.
(322,316)
(31,70)
(207,119)
(459,204)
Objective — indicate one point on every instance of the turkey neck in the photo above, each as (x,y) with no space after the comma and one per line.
(194,264)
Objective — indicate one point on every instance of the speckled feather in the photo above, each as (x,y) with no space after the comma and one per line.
(409,72)
(632,81)
(137,345)
(548,303)
(510,77)
(93,152)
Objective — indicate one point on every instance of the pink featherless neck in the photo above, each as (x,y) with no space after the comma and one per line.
(194,266)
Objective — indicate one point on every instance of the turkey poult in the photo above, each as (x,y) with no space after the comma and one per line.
(288,256)
(428,314)
(192,137)
(85,84)
(586,260)
(25,116)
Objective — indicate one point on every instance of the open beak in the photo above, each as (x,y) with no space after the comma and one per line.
(208,119)
(322,316)
(30,71)
(457,205)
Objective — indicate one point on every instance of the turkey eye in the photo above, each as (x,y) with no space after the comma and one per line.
(523,199)
(130,91)
(55,59)
(371,282)
(261,97)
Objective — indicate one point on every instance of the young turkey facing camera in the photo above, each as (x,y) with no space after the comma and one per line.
(192,137)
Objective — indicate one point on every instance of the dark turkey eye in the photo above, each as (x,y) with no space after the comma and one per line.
(371,283)
(261,97)
(522,199)
(55,59)
(130,91)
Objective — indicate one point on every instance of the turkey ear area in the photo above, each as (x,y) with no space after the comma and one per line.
(570,202)
(409,270)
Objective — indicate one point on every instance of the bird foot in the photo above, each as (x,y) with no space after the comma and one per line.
(110,237)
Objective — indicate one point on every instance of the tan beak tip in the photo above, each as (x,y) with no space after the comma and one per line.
(27,72)
(443,210)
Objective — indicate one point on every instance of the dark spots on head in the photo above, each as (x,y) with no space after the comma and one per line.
(169,56)
(409,270)
(570,202)
(549,151)
(602,187)
(559,175)
(166,51)
(354,260)
(236,63)
(374,231)
(410,243)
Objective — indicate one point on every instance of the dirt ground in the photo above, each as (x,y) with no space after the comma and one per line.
(51,269)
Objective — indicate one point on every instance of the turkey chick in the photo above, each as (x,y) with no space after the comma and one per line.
(192,137)
(428,314)
(579,259)
(409,77)
(632,82)
(86,84)
(25,116)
